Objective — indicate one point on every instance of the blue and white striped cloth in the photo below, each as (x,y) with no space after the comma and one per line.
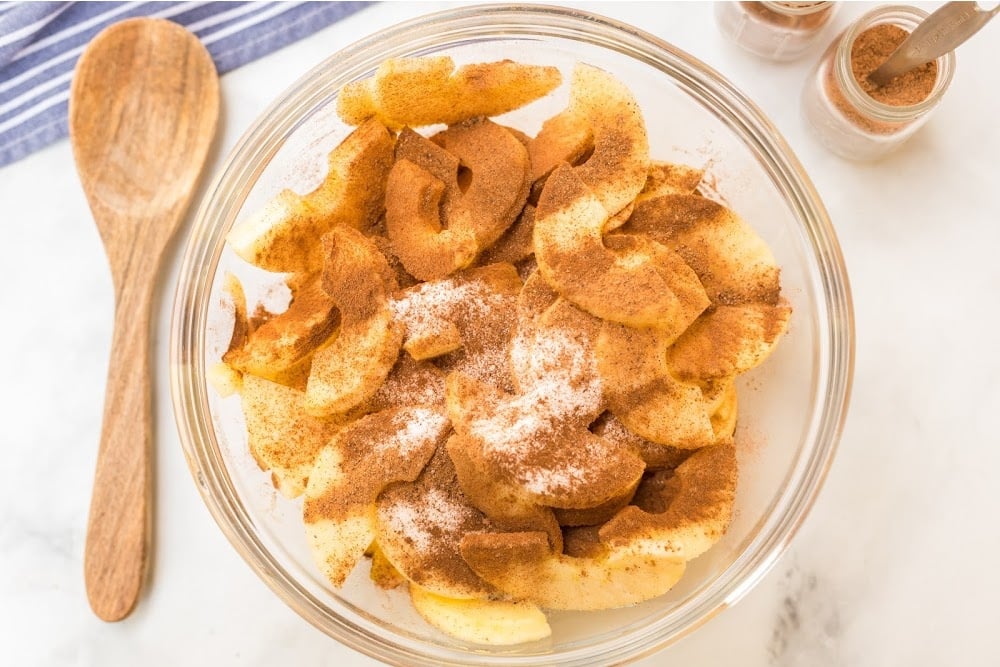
(40,43)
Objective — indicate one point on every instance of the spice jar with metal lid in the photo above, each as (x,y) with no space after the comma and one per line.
(774,30)
(853,116)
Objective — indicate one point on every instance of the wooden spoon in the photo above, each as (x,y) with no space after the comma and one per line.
(142,114)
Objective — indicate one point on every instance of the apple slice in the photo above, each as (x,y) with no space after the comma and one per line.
(539,442)
(565,138)
(282,438)
(413,199)
(419,526)
(382,572)
(644,395)
(725,413)
(498,177)
(654,455)
(429,90)
(522,566)
(507,505)
(469,307)
(224,379)
(667,178)
(350,370)
(232,290)
(728,340)
(733,263)
(678,514)
(282,235)
(639,283)
(363,458)
(740,276)
(616,168)
(288,338)
(409,382)
(535,298)
(492,622)
(434,340)
(431,216)
(516,244)
(554,352)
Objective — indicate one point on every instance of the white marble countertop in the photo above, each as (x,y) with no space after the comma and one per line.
(896,564)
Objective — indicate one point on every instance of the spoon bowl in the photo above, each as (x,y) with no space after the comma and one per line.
(142,115)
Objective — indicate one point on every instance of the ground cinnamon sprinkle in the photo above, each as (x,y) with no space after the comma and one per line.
(872,48)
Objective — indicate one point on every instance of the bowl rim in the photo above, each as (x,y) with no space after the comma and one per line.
(255,148)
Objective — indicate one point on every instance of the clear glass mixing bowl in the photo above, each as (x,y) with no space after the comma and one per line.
(791,409)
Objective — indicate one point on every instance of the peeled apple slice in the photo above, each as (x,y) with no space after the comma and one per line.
(493,622)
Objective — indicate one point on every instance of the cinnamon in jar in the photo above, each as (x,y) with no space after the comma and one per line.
(773,30)
(853,116)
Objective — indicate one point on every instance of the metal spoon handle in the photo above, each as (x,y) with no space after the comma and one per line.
(939,33)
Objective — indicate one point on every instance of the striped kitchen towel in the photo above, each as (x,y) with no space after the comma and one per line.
(41,41)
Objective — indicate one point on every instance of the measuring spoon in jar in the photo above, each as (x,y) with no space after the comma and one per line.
(941,32)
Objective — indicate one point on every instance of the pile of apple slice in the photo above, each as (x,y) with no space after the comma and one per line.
(507,370)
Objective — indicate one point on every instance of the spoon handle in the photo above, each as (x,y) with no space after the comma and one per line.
(939,33)
(118,530)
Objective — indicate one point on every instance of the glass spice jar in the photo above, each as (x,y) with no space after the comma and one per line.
(774,30)
(847,118)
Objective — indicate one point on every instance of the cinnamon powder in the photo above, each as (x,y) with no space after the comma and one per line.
(870,49)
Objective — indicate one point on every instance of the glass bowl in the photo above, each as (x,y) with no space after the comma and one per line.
(791,409)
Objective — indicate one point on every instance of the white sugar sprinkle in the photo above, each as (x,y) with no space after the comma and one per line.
(424,309)
(564,384)
(417,426)
(436,513)
(549,480)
